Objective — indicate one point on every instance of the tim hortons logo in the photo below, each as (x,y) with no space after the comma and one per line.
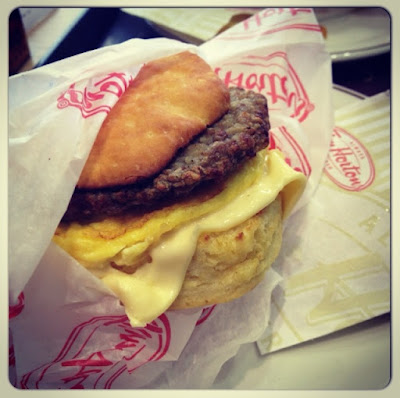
(260,25)
(274,77)
(257,19)
(92,100)
(79,365)
(295,157)
(349,165)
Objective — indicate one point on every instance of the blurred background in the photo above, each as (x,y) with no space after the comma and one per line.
(358,39)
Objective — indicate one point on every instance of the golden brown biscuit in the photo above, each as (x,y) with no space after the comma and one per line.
(228,264)
(171,100)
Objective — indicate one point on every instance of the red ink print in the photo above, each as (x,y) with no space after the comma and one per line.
(294,155)
(78,366)
(349,164)
(272,76)
(91,101)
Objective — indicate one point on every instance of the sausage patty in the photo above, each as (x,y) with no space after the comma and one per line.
(211,156)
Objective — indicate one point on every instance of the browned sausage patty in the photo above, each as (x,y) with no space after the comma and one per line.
(211,156)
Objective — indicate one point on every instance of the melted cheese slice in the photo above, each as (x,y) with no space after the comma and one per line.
(152,288)
(125,239)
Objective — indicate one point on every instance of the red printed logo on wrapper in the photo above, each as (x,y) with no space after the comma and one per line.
(274,77)
(78,366)
(91,100)
(260,24)
(15,310)
(12,375)
(206,312)
(349,165)
(295,156)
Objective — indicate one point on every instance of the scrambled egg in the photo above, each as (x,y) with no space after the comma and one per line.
(125,240)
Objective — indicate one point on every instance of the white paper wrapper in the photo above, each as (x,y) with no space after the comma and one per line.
(48,149)
(340,273)
(70,334)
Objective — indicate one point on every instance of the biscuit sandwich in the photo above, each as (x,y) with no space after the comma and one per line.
(180,203)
